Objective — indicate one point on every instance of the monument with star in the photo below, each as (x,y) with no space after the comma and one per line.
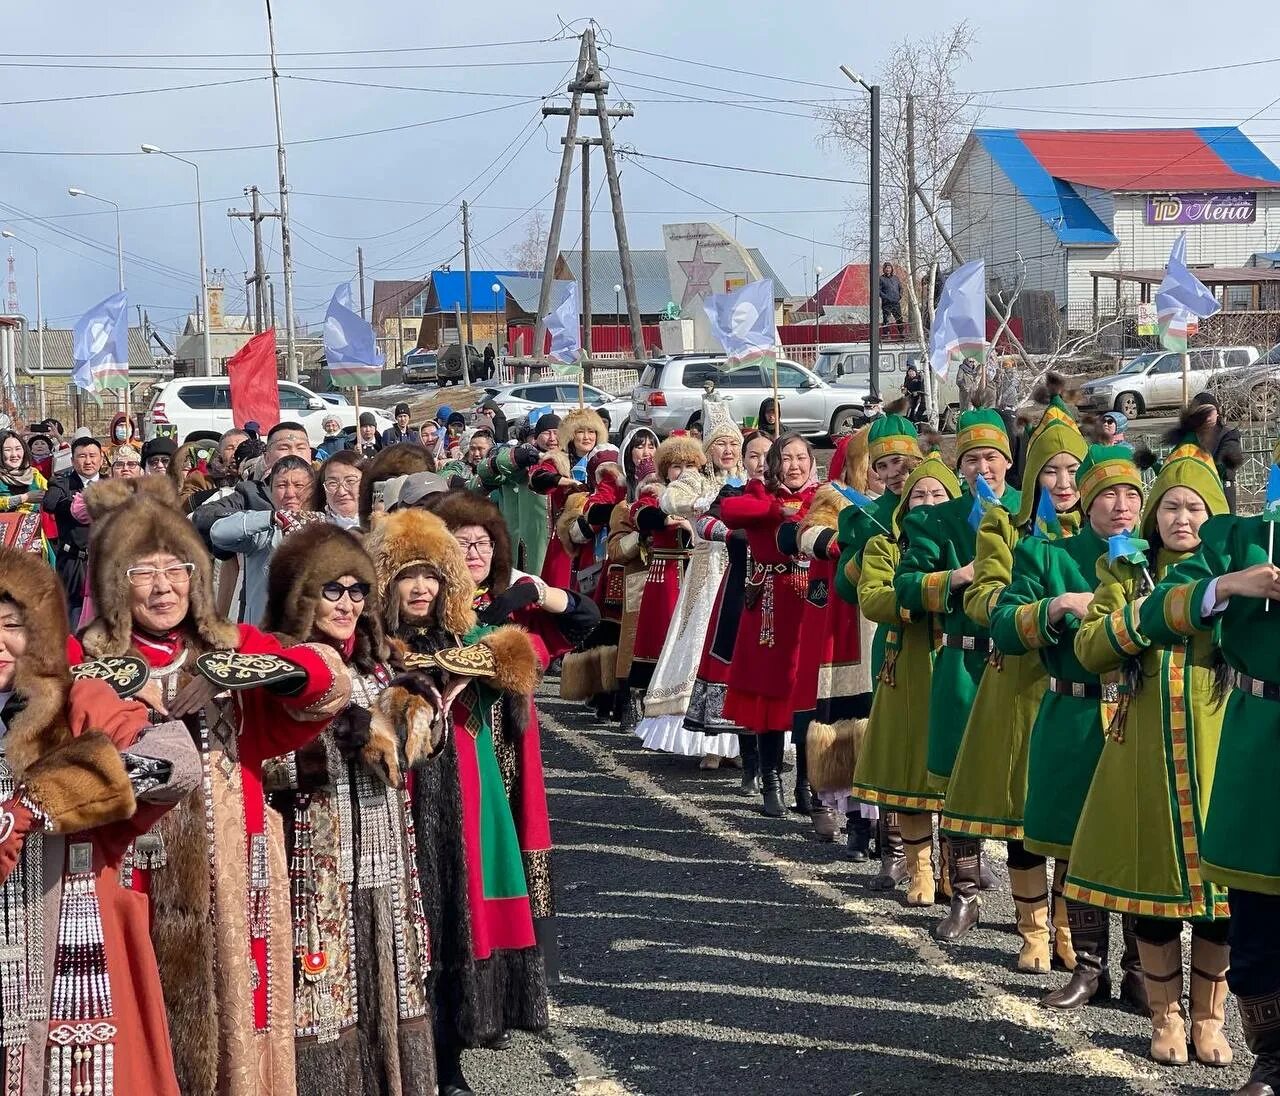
(702,260)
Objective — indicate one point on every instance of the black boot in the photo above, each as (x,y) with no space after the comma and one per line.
(858,836)
(1090,981)
(893,857)
(1133,987)
(449,1077)
(965,884)
(986,878)
(773,794)
(1262,1034)
(804,798)
(750,770)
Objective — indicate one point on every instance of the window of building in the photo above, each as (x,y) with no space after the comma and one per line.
(411,333)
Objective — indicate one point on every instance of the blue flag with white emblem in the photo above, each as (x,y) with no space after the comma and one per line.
(100,346)
(983,499)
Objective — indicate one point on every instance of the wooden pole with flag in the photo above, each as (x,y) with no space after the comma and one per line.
(1271,555)
(253,376)
(777,403)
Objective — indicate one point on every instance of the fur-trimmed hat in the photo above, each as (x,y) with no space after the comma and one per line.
(402,459)
(305,560)
(412,538)
(459,508)
(577,418)
(679,449)
(628,464)
(136,518)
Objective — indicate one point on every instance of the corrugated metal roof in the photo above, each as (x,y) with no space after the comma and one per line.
(57,350)
(523,289)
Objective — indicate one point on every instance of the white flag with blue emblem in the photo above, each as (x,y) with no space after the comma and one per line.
(960,322)
(1181,299)
(743,322)
(350,347)
(562,326)
(100,346)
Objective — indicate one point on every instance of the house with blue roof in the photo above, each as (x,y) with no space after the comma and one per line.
(1063,203)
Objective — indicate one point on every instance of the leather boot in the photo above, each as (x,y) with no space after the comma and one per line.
(1162,971)
(804,798)
(986,878)
(750,751)
(1209,965)
(1064,954)
(917,843)
(1030,888)
(893,860)
(942,888)
(1260,1018)
(965,903)
(773,794)
(857,836)
(1133,987)
(1090,981)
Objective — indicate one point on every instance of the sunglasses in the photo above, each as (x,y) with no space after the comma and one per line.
(357,591)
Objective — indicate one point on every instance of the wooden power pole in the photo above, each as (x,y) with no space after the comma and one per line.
(466,284)
(360,274)
(259,278)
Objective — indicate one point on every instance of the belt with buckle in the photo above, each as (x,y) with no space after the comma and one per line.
(966,643)
(1255,686)
(1081,690)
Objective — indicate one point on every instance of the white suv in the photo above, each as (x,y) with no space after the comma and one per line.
(200,407)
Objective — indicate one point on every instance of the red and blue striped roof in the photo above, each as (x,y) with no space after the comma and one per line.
(1047,165)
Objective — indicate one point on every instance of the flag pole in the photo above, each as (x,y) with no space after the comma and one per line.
(777,403)
(1271,545)
(1186,378)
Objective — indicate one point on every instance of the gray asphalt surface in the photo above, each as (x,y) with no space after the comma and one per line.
(709,949)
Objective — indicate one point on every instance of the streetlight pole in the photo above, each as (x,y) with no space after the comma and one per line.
(204,277)
(9,234)
(78,192)
(817,310)
(873,246)
(617,313)
(497,338)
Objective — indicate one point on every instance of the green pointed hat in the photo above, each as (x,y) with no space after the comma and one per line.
(892,434)
(1187,466)
(1055,433)
(981,428)
(932,467)
(1105,466)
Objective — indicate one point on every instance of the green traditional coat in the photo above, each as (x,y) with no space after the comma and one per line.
(1066,739)
(523,509)
(891,768)
(857,528)
(1137,846)
(987,794)
(940,540)
(1241,845)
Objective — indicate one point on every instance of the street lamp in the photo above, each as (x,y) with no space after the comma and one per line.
(204,278)
(817,309)
(78,192)
(9,234)
(873,248)
(617,313)
(497,338)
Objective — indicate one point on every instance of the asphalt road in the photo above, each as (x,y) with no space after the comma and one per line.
(709,949)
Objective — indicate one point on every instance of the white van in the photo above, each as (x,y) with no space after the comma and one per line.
(849,365)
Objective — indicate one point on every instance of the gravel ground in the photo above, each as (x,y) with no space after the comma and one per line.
(709,949)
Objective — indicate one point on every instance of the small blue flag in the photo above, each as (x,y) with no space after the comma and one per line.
(1127,547)
(579,471)
(983,499)
(350,346)
(534,415)
(1271,506)
(1180,297)
(856,497)
(734,481)
(1046,526)
(100,346)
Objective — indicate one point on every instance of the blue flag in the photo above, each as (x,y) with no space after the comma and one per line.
(536,413)
(960,323)
(579,471)
(1126,546)
(983,499)
(1271,505)
(743,320)
(855,496)
(100,345)
(350,347)
(1047,526)
(1181,297)
(562,326)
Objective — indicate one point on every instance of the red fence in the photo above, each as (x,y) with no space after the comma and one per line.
(605,339)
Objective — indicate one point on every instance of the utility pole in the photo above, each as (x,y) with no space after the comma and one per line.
(588,80)
(286,249)
(360,270)
(586,250)
(913,257)
(466,285)
(873,247)
(259,278)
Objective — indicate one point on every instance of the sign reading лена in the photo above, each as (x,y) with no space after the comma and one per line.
(1237,207)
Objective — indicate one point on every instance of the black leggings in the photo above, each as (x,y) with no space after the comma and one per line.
(772,744)
(1164,930)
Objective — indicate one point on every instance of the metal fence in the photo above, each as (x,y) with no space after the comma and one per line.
(1117,327)
(1258,441)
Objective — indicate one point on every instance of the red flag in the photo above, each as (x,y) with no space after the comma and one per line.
(255,392)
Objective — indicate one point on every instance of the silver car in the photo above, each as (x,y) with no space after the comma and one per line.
(669,395)
(517,400)
(1154,380)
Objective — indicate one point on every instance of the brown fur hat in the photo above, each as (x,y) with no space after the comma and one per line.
(579,417)
(459,508)
(413,537)
(403,459)
(41,677)
(132,519)
(679,449)
(305,560)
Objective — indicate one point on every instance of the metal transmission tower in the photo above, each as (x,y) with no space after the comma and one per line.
(11,287)
(588,81)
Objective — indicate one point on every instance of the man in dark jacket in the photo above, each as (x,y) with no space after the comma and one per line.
(368,441)
(890,297)
(490,360)
(402,432)
(72,544)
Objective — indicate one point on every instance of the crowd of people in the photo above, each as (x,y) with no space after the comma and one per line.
(272,812)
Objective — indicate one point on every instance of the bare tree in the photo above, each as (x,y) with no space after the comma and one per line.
(529,253)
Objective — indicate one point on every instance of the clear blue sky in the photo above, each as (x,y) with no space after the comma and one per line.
(416,171)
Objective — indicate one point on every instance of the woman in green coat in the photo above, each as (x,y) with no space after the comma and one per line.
(988,787)
(1040,610)
(891,770)
(1136,848)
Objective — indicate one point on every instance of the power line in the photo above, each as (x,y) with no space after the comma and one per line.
(296,53)
(134,91)
(258,68)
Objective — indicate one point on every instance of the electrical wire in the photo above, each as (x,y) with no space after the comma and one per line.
(295,53)
(134,91)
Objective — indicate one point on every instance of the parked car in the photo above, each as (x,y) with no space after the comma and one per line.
(1250,391)
(517,400)
(449,364)
(849,365)
(1153,380)
(335,399)
(199,408)
(669,395)
(420,367)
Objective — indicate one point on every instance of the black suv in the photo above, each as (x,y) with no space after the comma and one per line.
(449,365)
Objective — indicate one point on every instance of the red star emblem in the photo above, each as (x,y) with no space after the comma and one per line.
(697,273)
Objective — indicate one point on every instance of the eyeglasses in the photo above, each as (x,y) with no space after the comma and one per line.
(176,574)
(351,484)
(481,547)
(357,591)
(127,465)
